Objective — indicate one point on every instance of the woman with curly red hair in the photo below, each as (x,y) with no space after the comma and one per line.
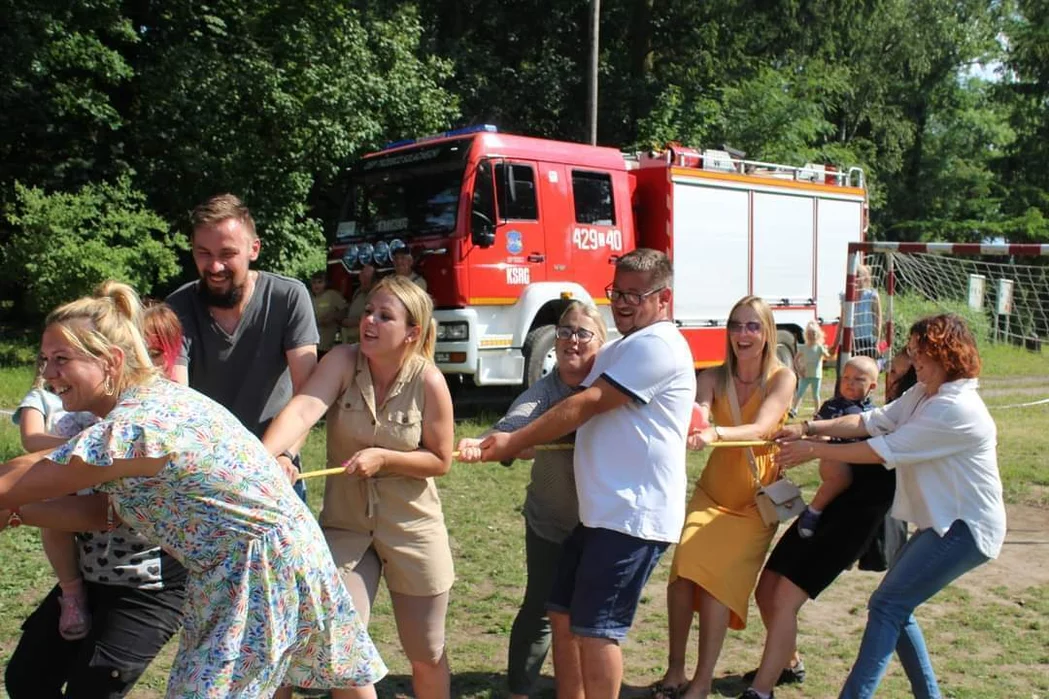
(941,441)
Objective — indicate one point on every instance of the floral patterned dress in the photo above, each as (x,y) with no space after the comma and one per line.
(265,605)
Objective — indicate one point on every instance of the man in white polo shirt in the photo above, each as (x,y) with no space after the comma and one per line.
(632,418)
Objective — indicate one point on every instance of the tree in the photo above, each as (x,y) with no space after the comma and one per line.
(269,100)
(65,244)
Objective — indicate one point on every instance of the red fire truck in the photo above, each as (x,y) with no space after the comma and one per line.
(507,229)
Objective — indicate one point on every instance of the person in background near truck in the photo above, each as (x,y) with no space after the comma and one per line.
(403,263)
(631,421)
(329,308)
(351,324)
(941,441)
(867,318)
(808,363)
(551,508)
(389,422)
(250,338)
(724,540)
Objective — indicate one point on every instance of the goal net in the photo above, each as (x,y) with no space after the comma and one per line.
(1001,290)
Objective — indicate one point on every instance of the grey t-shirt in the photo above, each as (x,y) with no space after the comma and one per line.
(551,505)
(247,371)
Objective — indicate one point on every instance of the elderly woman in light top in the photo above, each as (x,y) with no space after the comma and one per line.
(551,508)
(941,441)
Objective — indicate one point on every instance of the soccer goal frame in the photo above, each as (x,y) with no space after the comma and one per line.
(857,252)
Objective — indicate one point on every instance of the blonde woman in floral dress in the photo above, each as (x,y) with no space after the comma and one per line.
(265,605)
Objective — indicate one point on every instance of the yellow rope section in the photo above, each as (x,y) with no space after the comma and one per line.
(547,447)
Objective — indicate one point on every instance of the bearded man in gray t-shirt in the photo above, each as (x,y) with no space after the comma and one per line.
(249,337)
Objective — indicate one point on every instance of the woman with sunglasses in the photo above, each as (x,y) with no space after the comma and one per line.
(551,508)
(724,540)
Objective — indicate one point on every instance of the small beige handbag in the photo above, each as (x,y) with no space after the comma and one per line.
(777,502)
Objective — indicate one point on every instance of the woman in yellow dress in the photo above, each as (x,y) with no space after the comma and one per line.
(724,541)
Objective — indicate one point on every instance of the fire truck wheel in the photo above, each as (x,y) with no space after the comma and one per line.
(539,355)
(786,347)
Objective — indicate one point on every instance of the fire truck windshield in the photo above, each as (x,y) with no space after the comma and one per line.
(407,193)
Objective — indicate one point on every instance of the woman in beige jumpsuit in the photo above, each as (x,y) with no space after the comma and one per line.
(389,420)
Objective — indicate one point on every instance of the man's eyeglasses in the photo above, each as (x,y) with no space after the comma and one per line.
(751,326)
(631,298)
(567,332)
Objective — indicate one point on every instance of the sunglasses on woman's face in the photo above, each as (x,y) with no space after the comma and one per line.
(567,332)
(751,326)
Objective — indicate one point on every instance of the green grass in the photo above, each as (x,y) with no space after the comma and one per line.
(986,642)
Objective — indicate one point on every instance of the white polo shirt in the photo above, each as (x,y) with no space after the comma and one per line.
(630,462)
(943,448)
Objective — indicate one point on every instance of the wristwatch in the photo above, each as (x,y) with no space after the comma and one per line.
(14,520)
(287,455)
(806,428)
(717,433)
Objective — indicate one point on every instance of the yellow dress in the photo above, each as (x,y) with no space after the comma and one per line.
(724,542)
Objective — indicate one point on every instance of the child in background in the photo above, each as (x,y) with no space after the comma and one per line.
(162,332)
(44,425)
(858,379)
(329,308)
(808,363)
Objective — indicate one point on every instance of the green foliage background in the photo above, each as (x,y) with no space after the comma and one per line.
(116,117)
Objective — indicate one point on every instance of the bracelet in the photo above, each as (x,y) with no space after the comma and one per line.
(287,455)
(806,428)
(717,433)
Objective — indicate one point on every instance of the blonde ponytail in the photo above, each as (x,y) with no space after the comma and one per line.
(109,319)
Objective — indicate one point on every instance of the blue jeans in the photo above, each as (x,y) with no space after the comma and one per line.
(925,565)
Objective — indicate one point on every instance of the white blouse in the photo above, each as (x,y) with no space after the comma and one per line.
(943,448)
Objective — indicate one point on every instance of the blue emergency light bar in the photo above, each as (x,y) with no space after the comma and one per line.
(479,128)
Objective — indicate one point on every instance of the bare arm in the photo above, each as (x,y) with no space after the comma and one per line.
(302,361)
(32,427)
(180,374)
(312,399)
(72,513)
(563,418)
(798,452)
(434,457)
(844,427)
(32,478)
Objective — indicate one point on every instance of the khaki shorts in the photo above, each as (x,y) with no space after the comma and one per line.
(402,519)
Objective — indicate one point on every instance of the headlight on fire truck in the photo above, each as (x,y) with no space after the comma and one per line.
(364,253)
(453,332)
(382,254)
(349,257)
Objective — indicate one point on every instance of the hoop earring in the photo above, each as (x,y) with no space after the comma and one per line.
(107,386)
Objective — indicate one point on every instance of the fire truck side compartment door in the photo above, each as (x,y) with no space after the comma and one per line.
(840,223)
(784,247)
(711,251)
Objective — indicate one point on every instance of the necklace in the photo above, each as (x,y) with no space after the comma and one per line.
(746,383)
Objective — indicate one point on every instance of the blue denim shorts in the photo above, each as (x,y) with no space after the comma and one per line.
(599,580)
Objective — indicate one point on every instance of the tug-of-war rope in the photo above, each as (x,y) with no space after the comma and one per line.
(545,447)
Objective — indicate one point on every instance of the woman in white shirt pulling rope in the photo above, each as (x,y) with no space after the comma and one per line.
(941,441)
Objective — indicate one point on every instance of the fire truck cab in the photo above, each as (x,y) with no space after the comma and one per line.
(507,229)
